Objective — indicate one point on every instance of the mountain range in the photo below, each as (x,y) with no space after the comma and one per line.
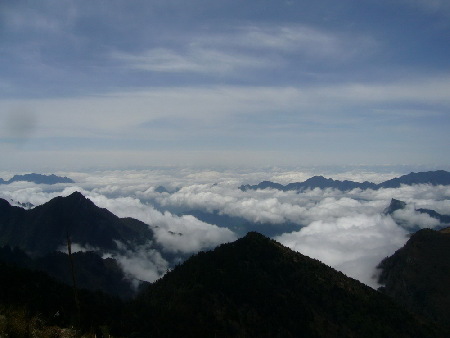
(255,287)
(92,271)
(251,287)
(38,179)
(438,177)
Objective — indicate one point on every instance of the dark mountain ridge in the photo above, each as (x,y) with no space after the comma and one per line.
(32,304)
(45,228)
(418,275)
(394,206)
(399,205)
(38,179)
(92,272)
(438,177)
(255,287)
(37,236)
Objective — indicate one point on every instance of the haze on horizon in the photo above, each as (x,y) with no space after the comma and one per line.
(123,84)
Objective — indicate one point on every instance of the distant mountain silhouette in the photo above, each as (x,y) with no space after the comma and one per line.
(161,189)
(311,183)
(399,205)
(263,185)
(44,229)
(439,177)
(255,287)
(418,275)
(38,179)
(394,206)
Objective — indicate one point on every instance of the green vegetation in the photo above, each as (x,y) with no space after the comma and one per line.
(255,287)
(418,275)
(31,300)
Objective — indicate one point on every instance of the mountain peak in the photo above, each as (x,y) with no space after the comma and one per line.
(44,228)
(394,206)
(76,195)
(255,287)
(318,178)
(74,201)
(253,235)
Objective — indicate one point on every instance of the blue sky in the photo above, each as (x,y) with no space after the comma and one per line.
(119,84)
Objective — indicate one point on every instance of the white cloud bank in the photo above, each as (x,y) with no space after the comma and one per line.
(351,244)
(346,230)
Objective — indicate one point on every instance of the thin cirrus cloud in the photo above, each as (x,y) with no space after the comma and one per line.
(107,112)
(248,48)
(308,42)
(192,61)
(244,118)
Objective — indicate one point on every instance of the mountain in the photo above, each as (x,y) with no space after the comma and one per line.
(311,183)
(262,185)
(394,206)
(91,271)
(418,275)
(399,205)
(323,183)
(38,179)
(438,177)
(40,233)
(36,305)
(255,287)
(443,219)
(44,229)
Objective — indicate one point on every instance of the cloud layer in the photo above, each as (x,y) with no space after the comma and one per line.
(348,231)
(130,84)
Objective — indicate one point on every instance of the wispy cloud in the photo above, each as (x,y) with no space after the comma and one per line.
(248,48)
(308,41)
(195,60)
(123,110)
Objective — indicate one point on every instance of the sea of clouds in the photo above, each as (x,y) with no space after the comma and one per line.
(346,230)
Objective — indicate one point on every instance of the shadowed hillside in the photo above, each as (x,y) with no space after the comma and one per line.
(44,229)
(255,287)
(418,275)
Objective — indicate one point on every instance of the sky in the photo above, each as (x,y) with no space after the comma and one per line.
(128,84)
